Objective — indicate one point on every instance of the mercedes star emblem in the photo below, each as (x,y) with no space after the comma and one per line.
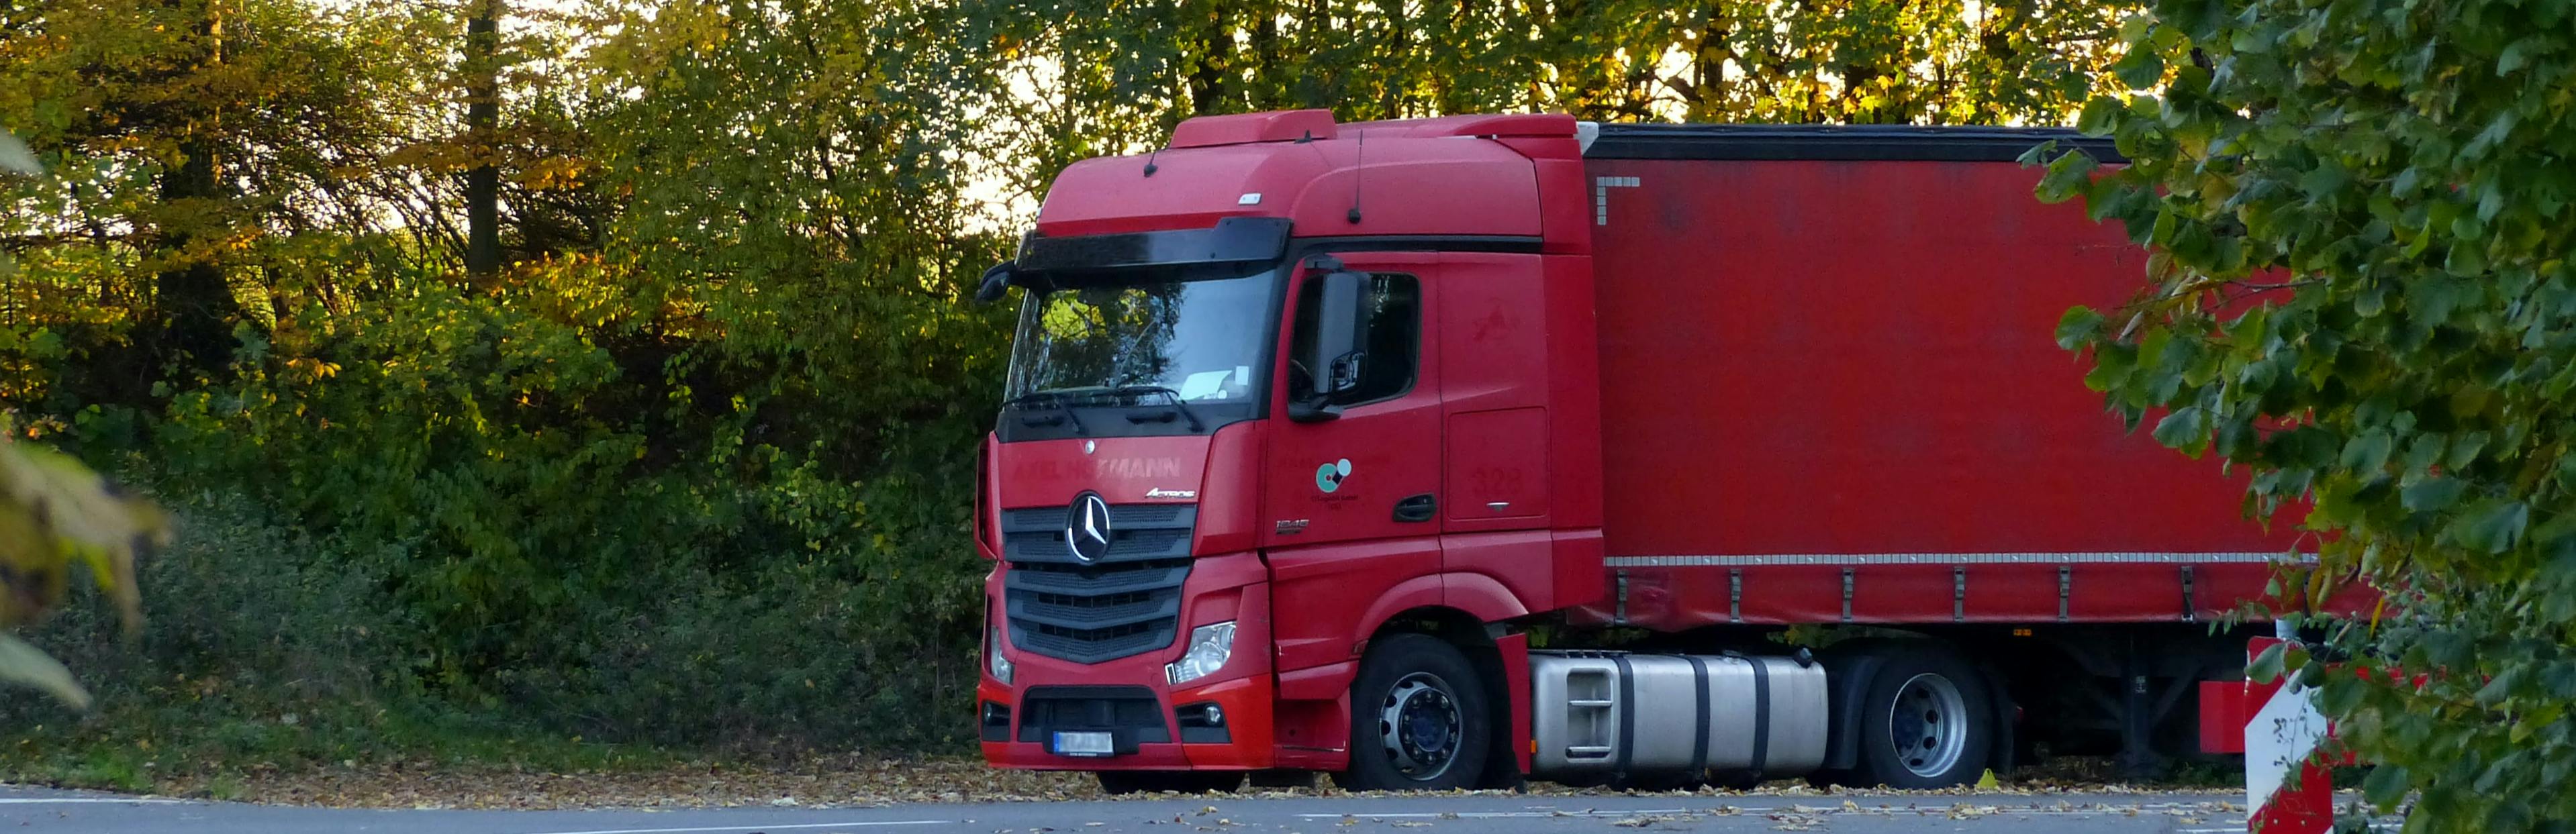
(1086,527)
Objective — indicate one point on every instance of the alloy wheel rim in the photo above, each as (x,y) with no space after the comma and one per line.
(1419,726)
(1927,726)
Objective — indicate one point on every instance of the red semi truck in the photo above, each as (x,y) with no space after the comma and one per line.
(1448,452)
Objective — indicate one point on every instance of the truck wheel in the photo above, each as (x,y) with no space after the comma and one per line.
(1122,782)
(1418,718)
(1925,723)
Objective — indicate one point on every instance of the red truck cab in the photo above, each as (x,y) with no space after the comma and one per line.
(1304,431)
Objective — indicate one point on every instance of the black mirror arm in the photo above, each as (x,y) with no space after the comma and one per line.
(1315,410)
(996,282)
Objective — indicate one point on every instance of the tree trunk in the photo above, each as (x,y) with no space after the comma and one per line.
(1215,47)
(193,299)
(1708,64)
(1399,59)
(1268,86)
(482,124)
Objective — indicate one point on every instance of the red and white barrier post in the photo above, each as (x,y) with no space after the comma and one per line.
(2287,787)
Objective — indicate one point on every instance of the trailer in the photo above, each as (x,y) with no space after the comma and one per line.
(1451,452)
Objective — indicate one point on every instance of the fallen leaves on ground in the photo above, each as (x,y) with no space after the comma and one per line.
(818,782)
(852,781)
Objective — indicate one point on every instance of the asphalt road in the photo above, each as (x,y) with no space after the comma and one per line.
(41,810)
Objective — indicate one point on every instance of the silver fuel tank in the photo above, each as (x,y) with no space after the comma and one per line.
(1601,714)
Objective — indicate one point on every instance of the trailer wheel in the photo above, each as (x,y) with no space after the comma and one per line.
(1925,722)
(1122,782)
(1418,718)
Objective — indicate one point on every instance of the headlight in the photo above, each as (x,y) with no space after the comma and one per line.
(994,662)
(1210,645)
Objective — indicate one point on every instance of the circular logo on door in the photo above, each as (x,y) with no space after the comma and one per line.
(1328,477)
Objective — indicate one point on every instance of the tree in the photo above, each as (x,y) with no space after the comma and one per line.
(2362,293)
(187,141)
(1113,76)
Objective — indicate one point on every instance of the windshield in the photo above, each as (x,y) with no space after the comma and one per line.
(1120,333)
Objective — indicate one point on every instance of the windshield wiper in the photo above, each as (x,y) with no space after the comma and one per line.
(1177,403)
(1063,405)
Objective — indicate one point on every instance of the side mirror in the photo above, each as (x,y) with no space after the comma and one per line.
(997,281)
(1341,333)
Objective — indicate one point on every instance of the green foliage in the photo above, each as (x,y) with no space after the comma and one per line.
(1734,60)
(662,457)
(1117,74)
(690,466)
(55,516)
(2363,294)
(214,675)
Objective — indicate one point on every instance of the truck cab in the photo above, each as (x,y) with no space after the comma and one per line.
(1289,365)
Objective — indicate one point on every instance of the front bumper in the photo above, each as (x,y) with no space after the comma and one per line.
(1245,702)
(1130,697)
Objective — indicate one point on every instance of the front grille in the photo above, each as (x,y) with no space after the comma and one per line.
(1137,531)
(1103,610)
(1126,603)
(1094,645)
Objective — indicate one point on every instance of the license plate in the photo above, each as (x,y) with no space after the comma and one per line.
(1084,744)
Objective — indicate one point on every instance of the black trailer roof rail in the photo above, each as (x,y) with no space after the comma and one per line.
(1836,142)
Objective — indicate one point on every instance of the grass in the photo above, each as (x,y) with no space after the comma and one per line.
(163,751)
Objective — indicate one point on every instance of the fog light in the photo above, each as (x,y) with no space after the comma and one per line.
(1201,722)
(996,723)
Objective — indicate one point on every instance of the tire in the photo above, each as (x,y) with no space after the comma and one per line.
(1123,782)
(1424,687)
(1926,721)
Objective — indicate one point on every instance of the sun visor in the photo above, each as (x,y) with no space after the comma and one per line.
(1232,240)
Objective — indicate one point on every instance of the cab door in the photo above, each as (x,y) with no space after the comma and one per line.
(1351,503)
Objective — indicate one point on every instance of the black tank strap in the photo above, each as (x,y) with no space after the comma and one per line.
(1699,736)
(1761,714)
(1627,714)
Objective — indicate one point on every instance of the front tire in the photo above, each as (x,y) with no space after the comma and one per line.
(1123,782)
(1926,722)
(1419,719)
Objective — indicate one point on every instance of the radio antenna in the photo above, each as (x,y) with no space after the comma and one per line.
(1359,166)
(1149,161)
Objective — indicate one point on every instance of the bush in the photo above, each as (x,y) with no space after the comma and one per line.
(253,621)
(270,645)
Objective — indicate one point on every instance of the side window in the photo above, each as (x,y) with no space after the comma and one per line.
(1389,365)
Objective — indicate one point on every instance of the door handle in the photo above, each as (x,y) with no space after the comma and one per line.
(1416,508)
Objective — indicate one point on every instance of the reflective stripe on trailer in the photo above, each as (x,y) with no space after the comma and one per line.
(1837,559)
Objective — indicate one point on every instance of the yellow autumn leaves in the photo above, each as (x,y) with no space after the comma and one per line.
(56,517)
